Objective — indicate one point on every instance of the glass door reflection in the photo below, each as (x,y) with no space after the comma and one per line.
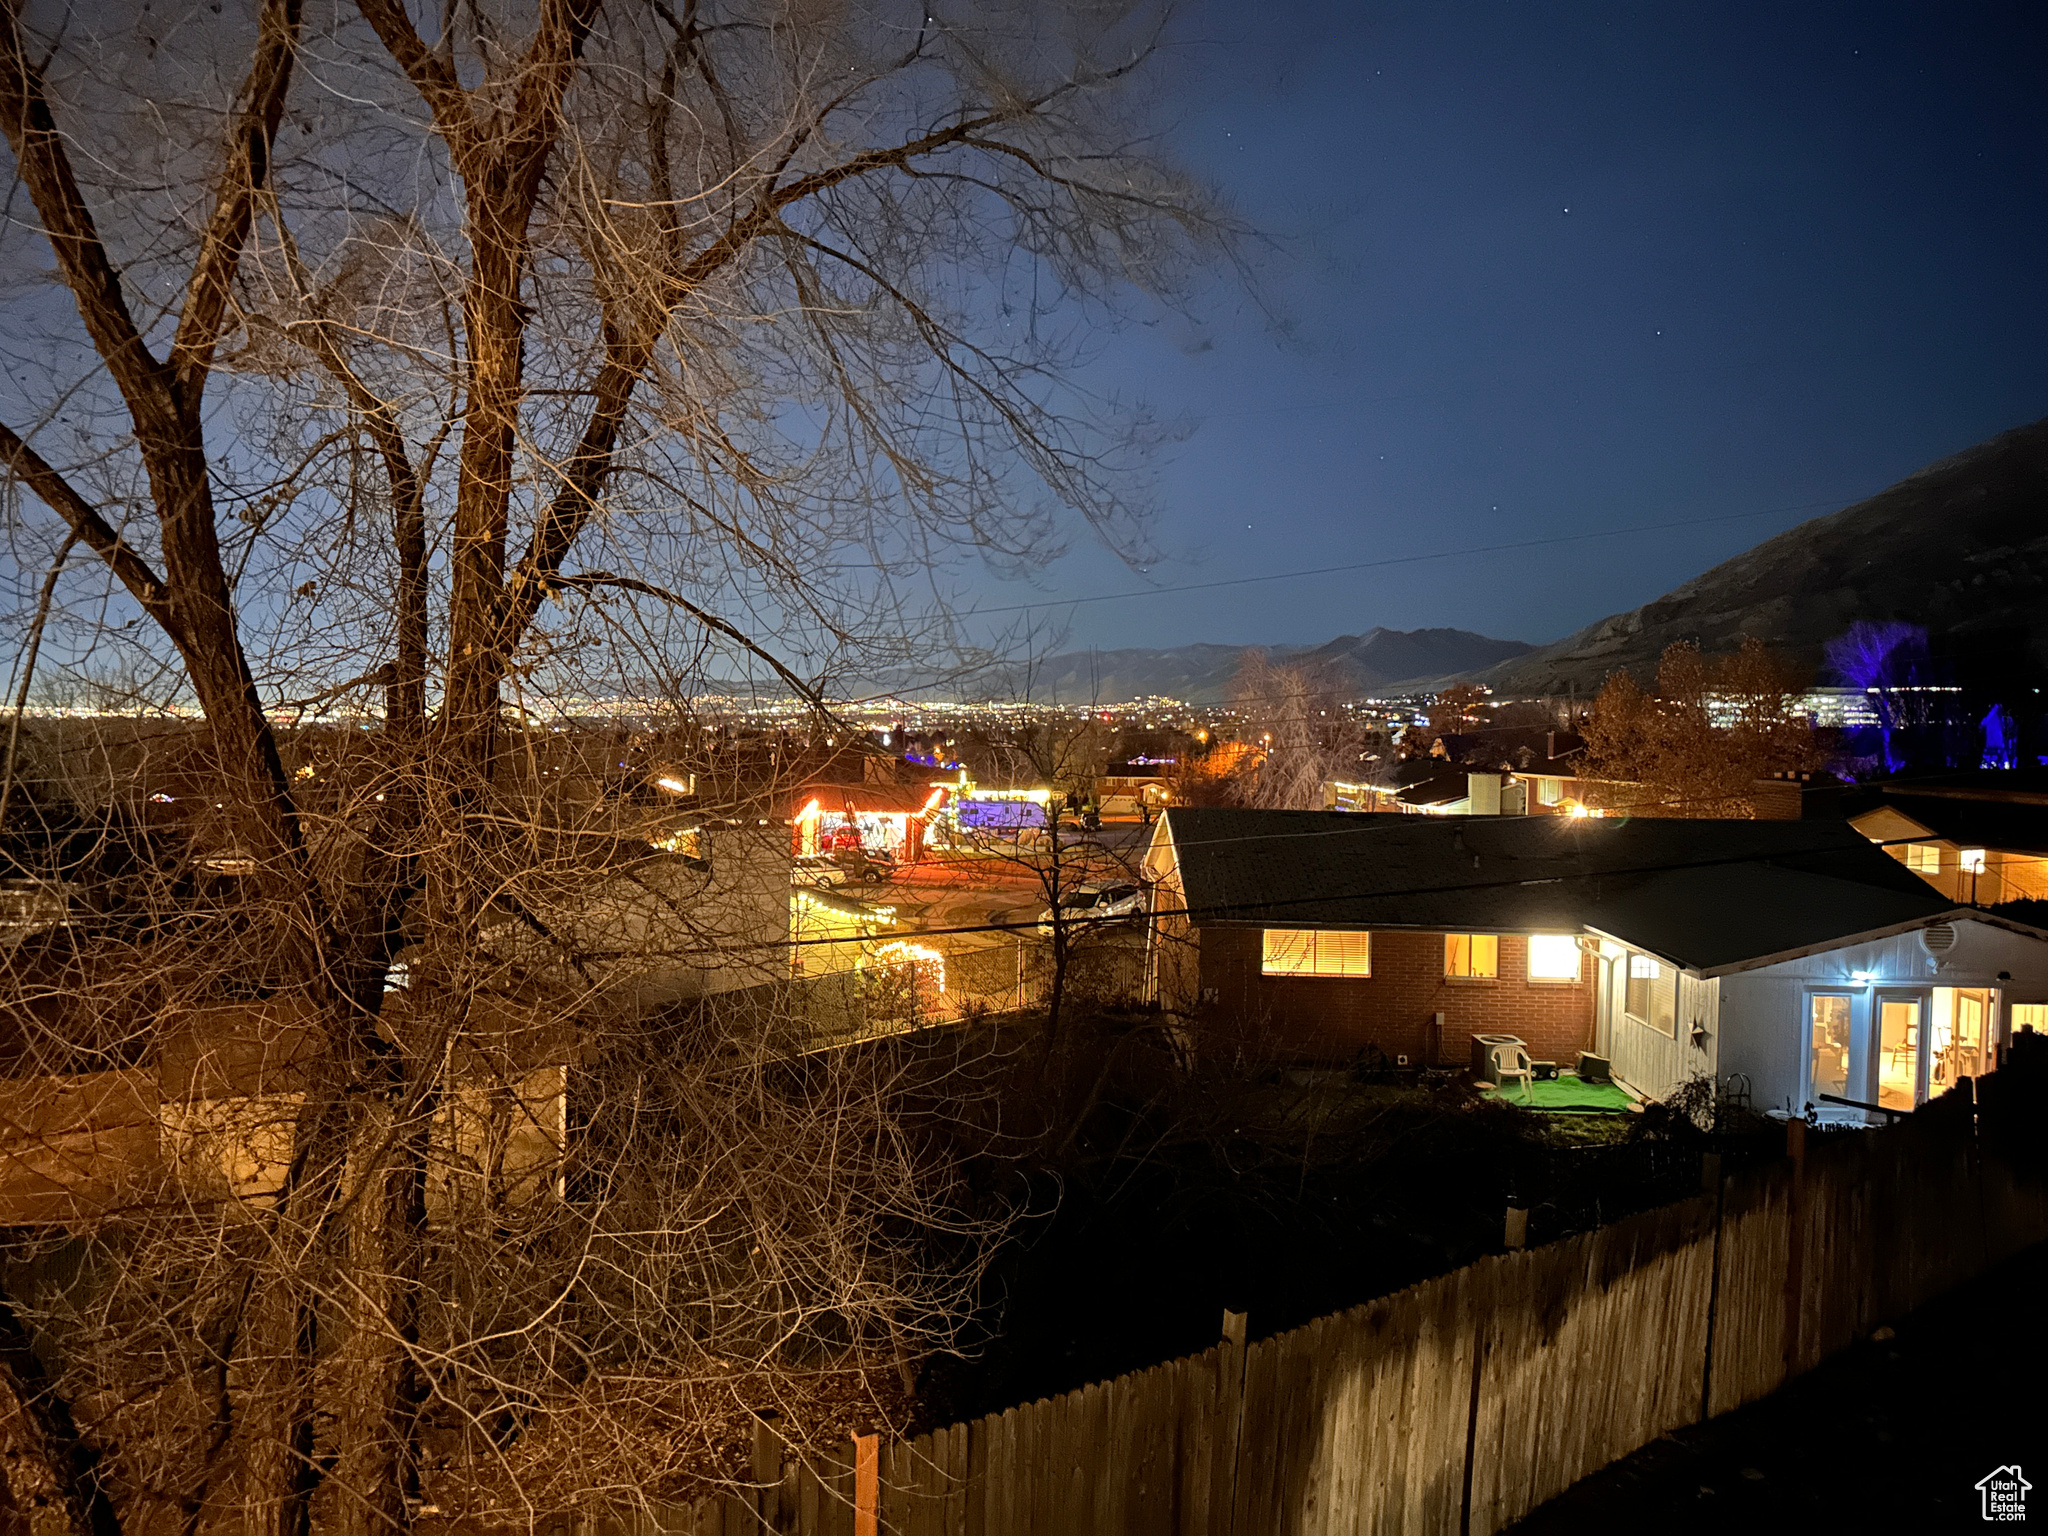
(1899,1036)
(1827,1048)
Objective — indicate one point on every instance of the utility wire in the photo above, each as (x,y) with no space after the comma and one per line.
(1033,924)
(1369,565)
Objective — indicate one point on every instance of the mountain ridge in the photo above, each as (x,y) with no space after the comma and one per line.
(1379,660)
(1959,547)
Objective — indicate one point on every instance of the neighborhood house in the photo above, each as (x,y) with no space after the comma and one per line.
(1796,962)
(876,818)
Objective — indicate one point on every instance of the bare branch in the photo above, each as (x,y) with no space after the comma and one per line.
(241,185)
(589,580)
(86,523)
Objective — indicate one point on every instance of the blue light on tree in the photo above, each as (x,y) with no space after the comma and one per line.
(1889,662)
(2001,740)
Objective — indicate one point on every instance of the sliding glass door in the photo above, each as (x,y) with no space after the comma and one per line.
(1901,1054)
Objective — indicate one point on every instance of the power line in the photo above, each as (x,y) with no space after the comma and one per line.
(1032,925)
(1369,565)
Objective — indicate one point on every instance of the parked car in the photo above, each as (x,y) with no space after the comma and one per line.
(1098,902)
(820,869)
(866,864)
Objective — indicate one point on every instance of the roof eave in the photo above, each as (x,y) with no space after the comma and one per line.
(1871,936)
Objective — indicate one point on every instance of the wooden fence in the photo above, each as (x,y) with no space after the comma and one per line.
(1462,1403)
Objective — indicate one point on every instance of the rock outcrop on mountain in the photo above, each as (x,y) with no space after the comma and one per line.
(1961,547)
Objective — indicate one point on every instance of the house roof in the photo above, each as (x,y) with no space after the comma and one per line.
(876,799)
(845,906)
(1707,894)
(1438,789)
(2012,826)
(1521,748)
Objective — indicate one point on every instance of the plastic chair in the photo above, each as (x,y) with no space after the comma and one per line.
(1519,1067)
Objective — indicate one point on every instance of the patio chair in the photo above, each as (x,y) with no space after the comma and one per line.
(1517,1066)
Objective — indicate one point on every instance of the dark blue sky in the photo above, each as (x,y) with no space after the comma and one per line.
(1806,252)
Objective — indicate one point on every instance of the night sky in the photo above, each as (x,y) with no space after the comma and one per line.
(1549,269)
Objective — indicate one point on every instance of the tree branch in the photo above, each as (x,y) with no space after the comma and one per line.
(569,510)
(234,209)
(45,168)
(432,75)
(406,698)
(84,520)
(591,580)
(501,172)
(28,672)
(47,1423)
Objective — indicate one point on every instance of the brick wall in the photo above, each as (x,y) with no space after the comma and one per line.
(1331,1018)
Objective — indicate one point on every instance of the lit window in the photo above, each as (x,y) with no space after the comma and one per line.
(1972,860)
(1312,952)
(1652,994)
(1553,957)
(1549,791)
(2032,1016)
(1923,858)
(1471,955)
(687,841)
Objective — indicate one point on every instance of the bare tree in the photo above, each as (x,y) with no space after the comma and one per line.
(1294,716)
(1698,746)
(447,371)
(1063,756)
(1454,710)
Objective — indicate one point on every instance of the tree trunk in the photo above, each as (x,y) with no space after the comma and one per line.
(51,1432)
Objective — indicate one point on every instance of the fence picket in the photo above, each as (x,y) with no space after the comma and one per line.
(1582,1350)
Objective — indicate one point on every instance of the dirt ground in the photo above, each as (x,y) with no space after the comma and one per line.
(1893,1435)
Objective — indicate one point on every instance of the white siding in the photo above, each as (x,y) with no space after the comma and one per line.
(1648,1060)
(1763,1012)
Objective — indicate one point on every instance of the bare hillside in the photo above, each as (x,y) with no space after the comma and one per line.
(1961,547)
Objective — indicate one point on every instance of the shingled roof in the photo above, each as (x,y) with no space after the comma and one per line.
(1710,895)
(2016,828)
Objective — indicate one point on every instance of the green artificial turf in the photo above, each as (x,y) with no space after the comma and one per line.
(1567,1093)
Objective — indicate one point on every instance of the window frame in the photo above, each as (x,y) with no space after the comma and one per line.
(1628,976)
(1472,947)
(1923,858)
(1348,939)
(1853,1047)
(1578,962)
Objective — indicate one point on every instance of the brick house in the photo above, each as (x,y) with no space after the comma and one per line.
(1415,1006)
(1797,954)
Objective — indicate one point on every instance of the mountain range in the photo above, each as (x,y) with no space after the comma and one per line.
(1960,547)
(1380,661)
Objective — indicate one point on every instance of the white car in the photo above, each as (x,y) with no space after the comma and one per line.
(1097,902)
(819,869)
